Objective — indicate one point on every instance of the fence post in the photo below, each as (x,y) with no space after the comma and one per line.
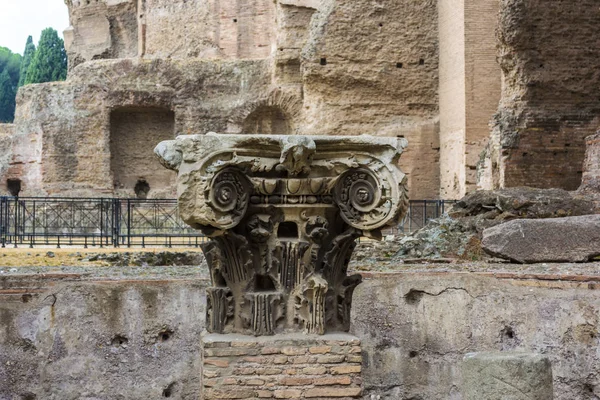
(116,222)
(3,221)
(128,223)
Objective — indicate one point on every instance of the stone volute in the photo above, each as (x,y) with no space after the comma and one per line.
(282,214)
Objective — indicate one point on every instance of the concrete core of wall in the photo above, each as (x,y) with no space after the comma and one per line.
(133,136)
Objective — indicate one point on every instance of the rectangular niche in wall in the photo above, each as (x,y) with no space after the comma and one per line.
(134,132)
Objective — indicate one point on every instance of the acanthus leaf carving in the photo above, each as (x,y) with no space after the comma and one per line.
(283,214)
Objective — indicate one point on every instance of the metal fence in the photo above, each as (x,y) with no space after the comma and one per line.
(93,222)
(113,222)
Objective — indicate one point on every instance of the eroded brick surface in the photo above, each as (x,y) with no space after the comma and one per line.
(281,367)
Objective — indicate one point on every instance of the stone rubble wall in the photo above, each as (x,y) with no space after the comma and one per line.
(282,367)
(549,102)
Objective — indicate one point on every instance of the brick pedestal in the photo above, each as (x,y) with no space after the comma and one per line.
(291,366)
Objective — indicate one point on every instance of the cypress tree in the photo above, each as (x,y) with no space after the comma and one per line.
(27,57)
(7,97)
(10,62)
(49,63)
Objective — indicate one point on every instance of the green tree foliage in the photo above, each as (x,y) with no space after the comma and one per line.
(7,97)
(10,67)
(49,63)
(27,57)
(10,62)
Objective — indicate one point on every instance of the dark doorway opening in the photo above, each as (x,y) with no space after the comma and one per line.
(142,188)
(13,186)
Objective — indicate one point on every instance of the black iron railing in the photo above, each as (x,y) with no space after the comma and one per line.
(93,222)
(100,222)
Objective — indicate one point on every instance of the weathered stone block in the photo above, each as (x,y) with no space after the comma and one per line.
(571,239)
(507,376)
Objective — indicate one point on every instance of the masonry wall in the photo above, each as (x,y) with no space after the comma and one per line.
(591,166)
(470,81)
(61,338)
(290,366)
(549,57)
(69,336)
(6,135)
(483,82)
(372,67)
(134,134)
(452,98)
(63,130)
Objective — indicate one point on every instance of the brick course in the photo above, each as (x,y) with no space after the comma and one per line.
(281,367)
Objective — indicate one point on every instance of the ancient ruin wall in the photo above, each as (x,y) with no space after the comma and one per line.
(452,98)
(591,166)
(548,54)
(328,67)
(63,130)
(111,29)
(133,135)
(6,135)
(482,84)
(470,81)
(141,338)
(372,68)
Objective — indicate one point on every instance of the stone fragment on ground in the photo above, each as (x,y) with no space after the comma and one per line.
(570,239)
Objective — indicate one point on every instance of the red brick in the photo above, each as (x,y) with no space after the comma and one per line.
(354,358)
(332,380)
(216,362)
(331,359)
(320,349)
(255,382)
(332,392)
(314,370)
(293,351)
(296,381)
(298,359)
(255,359)
(280,360)
(287,394)
(346,369)
(209,373)
(270,350)
(213,394)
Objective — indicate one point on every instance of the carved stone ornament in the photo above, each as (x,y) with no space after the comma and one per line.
(282,214)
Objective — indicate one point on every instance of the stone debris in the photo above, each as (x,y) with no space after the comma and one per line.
(571,239)
(458,235)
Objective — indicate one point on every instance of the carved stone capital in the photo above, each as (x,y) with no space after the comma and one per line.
(283,213)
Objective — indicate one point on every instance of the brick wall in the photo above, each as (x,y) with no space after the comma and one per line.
(549,56)
(281,367)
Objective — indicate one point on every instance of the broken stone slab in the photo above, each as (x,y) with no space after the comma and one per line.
(506,376)
(570,239)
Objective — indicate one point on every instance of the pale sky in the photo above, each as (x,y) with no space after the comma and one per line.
(21,18)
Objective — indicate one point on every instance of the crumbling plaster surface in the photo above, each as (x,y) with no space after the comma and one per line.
(549,104)
(415,326)
(100,340)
